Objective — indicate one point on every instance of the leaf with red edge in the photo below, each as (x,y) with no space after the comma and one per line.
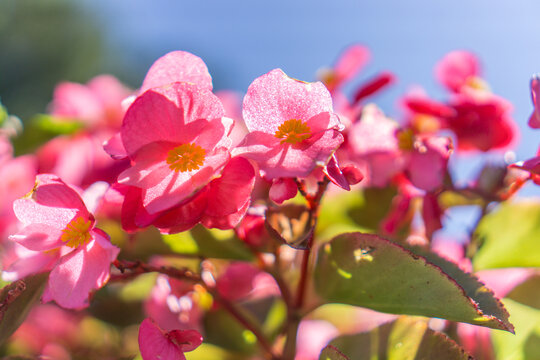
(369,271)
(407,338)
(16,300)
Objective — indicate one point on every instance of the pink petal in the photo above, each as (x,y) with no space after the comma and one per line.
(534,120)
(232,190)
(155,343)
(177,66)
(237,281)
(455,68)
(275,98)
(351,61)
(335,175)
(374,85)
(80,272)
(226,222)
(76,101)
(175,114)
(532,165)
(178,186)
(51,202)
(38,237)
(185,216)
(115,148)
(133,215)
(282,189)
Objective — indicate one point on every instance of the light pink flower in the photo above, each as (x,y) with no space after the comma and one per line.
(457,69)
(292,127)
(58,224)
(372,144)
(97,104)
(154,343)
(172,305)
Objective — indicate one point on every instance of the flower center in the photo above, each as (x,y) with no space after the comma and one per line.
(76,232)
(186,157)
(293,131)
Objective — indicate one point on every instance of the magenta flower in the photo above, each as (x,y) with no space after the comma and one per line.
(154,343)
(58,225)
(292,127)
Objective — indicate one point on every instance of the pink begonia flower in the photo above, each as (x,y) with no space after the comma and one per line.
(177,139)
(172,305)
(175,66)
(97,104)
(79,159)
(457,69)
(58,225)
(534,119)
(292,127)
(154,343)
(178,142)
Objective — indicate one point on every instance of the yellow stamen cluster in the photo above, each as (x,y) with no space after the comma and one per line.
(186,157)
(293,131)
(77,232)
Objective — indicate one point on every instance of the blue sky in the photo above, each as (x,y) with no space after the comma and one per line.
(240,40)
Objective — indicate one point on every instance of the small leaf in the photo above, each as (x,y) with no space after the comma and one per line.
(330,352)
(217,244)
(369,271)
(290,224)
(16,300)
(509,237)
(56,126)
(374,207)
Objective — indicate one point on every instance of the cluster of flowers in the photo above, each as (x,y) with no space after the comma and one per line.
(176,154)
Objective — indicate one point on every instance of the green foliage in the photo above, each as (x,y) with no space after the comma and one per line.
(209,244)
(525,345)
(369,271)
(509,237)
(405,339)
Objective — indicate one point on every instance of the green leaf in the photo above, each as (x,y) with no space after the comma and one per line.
(527,293)
(367,270)
(407,338)
(200,241)
(510,237)
(330,352)
(56,126)
(212,352)
(16,300)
